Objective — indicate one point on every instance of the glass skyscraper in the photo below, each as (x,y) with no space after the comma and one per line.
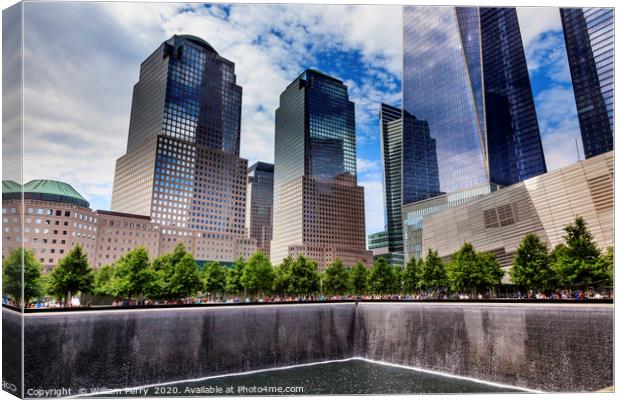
(465,77)
(589,36)
(410,170)
(182,164)
(391,159)
(259,205)
(318,207)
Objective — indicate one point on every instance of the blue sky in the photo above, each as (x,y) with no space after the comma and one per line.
(82,60)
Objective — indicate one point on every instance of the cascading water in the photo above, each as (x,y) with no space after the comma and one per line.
(544,347)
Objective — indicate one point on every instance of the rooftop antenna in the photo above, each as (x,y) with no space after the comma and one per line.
(577,147)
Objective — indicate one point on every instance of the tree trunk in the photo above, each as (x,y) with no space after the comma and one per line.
(68,299)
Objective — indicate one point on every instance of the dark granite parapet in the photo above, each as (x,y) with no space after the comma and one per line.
(118,349)
(542,347)
(550,347)
(12,352)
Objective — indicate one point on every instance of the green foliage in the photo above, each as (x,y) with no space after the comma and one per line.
(579,261)
(185,280)
(162,270)
(607,265)
(73,274)
(410,275)
(336,278)
(233,277)
(381,278)
(214,278)
(473,272)
(133,275)
(531,266)
(359,275)
(432,273)
(105,284)
(304,277)
(12,276)
(257,277)
(282,276)
(397,282)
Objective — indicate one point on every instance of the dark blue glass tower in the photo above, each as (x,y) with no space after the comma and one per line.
(589,36)
(182,165)
(465,78)
(187,91)
(465,74)
(410,171)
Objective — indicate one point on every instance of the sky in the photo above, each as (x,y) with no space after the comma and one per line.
(81,61)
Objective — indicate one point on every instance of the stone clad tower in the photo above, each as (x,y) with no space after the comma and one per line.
(318,206)
(182,165)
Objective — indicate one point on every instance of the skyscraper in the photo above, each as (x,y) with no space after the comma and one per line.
(589,36)
(259,205)
(391,159)
(182,164)
(465,76)
(318,206)
(409,171)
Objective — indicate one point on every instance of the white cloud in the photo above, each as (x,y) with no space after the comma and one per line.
(534,21)
(560,127)
(374,205)
(364,165)
(83,59)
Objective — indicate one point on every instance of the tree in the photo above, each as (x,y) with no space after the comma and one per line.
(410,275)
(73,274)
(282,276)
(104,284)
(214,278)
(358,278)
(432,274)
(472,272)
(162,269)
(133,274)
(491,269)
(531,265)
(381,277)
(607,265)
(304,276)
(336,278)
(397,280)
(14,272)
(579,262)
(257,277)
(233,277)
(186,280)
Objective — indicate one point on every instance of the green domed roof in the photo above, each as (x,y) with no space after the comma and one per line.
(11,187)
(43,189)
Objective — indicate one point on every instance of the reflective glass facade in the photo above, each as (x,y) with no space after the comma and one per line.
(188,92)
(330,126)
(410,169)
(318,208)
(182,165)
(391,158)
(420,170)
(465,80)
(465,75)
(259,205)
(514,146)
(589,36)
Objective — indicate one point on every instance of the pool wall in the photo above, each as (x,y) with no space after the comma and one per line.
(542,347)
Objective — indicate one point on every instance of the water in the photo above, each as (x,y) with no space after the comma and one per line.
(354,376)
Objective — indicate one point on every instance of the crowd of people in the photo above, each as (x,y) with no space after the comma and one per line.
(561,294)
